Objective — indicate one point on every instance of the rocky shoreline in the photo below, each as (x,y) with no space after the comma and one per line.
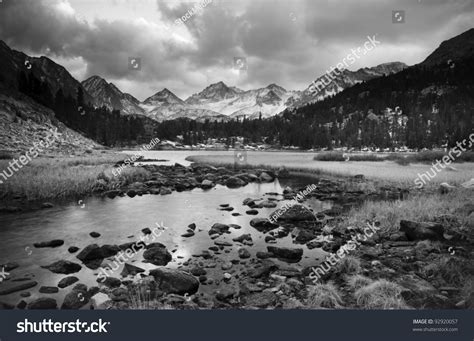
(272,277)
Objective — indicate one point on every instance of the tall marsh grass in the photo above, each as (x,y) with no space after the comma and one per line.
(56,178)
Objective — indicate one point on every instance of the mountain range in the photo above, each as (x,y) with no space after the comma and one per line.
(220,101)
(216,101)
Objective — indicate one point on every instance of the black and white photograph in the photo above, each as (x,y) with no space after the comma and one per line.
(237,155)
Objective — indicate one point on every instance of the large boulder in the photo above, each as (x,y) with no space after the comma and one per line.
(219,228)
(100,301)
(157,255)
(294,213)
(91,252)
(77,298)
(265,177)
(263,224)
(286,253)
(109,250)
(175,281)
(235,182)
(421,230)
(207,184)
(415,290)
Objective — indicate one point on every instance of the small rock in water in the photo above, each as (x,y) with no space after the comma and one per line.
(244,253)
(131,193)
(94,234)
(52,243)
(218,228)
(226,266)
(110,282)
(242,238)
(48,290)
(146,231)
(73,249)
(252,212)
(8,287)
(63,267)
(67,281)
(270,240)
(198,271)
(43,303)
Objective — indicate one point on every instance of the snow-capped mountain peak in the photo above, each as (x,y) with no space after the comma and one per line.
(163,97)
(213,93)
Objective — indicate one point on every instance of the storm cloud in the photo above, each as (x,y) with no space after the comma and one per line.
(285,42)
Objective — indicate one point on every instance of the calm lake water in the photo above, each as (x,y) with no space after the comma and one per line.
(121,220)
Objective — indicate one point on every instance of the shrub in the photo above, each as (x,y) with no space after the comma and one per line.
(380,294)
(356,282)
(349,265)
(324,296)
(454,271)
(329,156)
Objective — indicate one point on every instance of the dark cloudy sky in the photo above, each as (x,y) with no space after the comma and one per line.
(285,42)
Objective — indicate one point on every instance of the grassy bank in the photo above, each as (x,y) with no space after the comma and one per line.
(418,207)
(368,284)
(427,157)
(61,177)
(403,175)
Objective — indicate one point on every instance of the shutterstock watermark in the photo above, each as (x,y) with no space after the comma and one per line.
(197,8)
(3,275)
(445,161)
(135,157)
(33,152)
(296,199)
(323,81)
(344,250)
(124,256)
(49,326)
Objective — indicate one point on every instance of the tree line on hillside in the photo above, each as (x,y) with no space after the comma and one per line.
(107,127)
(430,107)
